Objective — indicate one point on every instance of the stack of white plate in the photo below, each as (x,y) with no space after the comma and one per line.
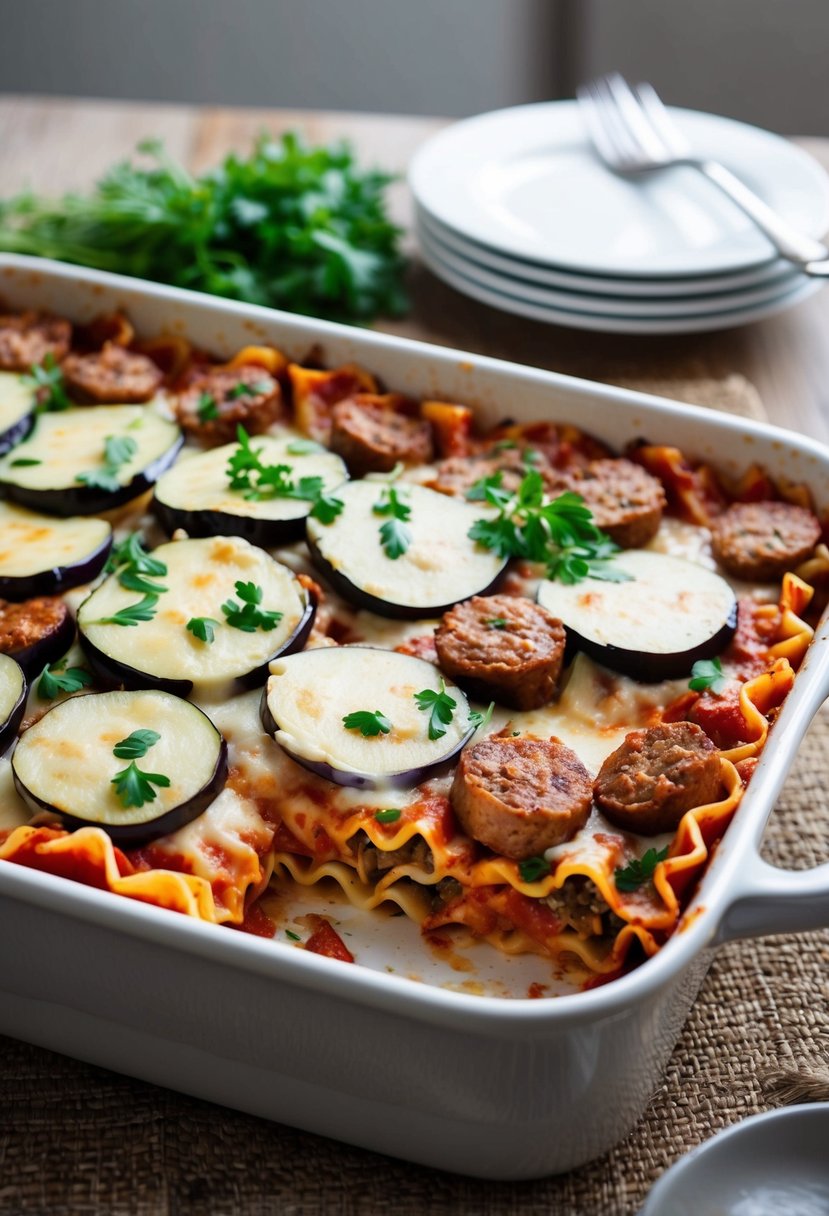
(515,209)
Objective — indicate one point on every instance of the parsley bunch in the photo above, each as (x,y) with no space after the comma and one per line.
(259,482)
(289,226)
(558,532)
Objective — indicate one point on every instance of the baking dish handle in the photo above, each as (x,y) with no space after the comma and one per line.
(772,900)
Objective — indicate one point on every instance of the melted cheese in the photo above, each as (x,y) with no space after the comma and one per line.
(17,399)
(31,543)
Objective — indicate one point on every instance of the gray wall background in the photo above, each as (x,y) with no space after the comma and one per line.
(761,60)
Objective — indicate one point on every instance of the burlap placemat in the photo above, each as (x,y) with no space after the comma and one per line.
(79,1141)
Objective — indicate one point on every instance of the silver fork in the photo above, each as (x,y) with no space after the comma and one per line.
(633,133)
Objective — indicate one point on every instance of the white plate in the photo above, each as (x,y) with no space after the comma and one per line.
(775,1164)
(619,287)
(582,302)
(606,323)
(526,182)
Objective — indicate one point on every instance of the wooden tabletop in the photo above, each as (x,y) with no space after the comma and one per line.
(53,145)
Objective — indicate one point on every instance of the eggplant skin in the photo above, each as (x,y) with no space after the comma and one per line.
(16,432)
(90,500)
(406,779)
(652,668)
(9,728)
(372,603)
(58,580)
(46,649)
(266,533)
(135,835)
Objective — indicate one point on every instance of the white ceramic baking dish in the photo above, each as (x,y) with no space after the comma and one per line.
(480,1085)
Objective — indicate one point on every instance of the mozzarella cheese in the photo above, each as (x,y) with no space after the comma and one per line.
(31,543)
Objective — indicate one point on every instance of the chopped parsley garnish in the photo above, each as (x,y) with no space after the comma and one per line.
(440,707)
(24,462)
(248,390)
(131,553)
(496,622)
(395,536)
(133,614)
(558,532)
(368,723)
(135,787)
(55,680)
(207,409)
(293,936)
(248,616)
(531,457)
(478,720)
(639,871)
(136,745)
(118,451)
(47,379)
(201,627)
(132,581)
(390,816)
(708,676)
(260,482)
(533,869)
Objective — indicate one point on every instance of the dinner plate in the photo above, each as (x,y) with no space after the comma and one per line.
(583,302)
(525,182)
(774,1164)
(515,301)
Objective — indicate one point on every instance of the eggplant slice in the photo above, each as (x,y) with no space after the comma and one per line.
(17,409)
(440,567)
(653,627)
(13,691)
(43,472)
(309,695)
(201,576)
(36,632)
(65,763)
(195,495)
(40,555)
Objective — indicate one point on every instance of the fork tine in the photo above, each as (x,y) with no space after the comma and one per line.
(667,129)
(633,115)
(597,129)
(610,136)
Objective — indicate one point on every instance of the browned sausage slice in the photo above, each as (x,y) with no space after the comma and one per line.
(27,338)
(762,540)
(219,400)
(521,796)
(656,775)
(504,648)
(626,501)
(35,632)
(458,474)
(373,439)
(112,374)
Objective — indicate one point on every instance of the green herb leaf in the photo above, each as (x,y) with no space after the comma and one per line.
(395,537)
(478,719)
(136,745)
(708,676)
(132,581)
(248,390)
(54,681)
(132,614)
(118,451)
(202,627)
(390,816)
(326,508)
(533,869)
(293,936)
(258,482)
(207,409)
(135,787)
(303,447)
(23,462)
(47,380)
(440,707)
(248,616)
(639,871)
(368,723)
(496,622)
(131,552)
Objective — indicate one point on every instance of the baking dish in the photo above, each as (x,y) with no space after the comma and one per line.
(480,1085)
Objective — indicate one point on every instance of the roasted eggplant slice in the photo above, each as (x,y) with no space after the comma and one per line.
(395,736)
(137,764)
(40,555)
(36,632)
(195,495)
(91,459)
(13,690)
(653,627)
(222,646)
(17,409)
(410,557)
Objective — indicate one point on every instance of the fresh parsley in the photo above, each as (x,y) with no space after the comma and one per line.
(293,936)
(258,482)
(496,622)
(135,787)
(54,680)
(558,532)
(132,614)
(395,535)
(639,871)
(390,816)
(24,462)
(478,720)
(131,552)
(440,708)
(248,390)
(136,745)
(46,379)
(707,675)
(368,723)
(202,627)
(207,409)
(533,869)
(248,616)
(118,451)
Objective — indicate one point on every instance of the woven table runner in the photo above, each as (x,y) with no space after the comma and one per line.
(79,1141)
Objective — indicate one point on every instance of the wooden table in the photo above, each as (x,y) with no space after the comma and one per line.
(56,145)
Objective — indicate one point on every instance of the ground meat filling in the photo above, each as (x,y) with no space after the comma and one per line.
(502,648)
(372,862)
(216,402)
(113,375)
(521,796)
(656,775)
(625,500)
(760,541)
(25,624)
(27,338)
(581,906)
(373,439)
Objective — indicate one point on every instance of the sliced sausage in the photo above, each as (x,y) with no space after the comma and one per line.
(503,648)
(219,400)
(656,775)
(626,501)
(26,338)
(521,796)
(35,632)
(457,474)
(373,439)
(762,540)
(113,375)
